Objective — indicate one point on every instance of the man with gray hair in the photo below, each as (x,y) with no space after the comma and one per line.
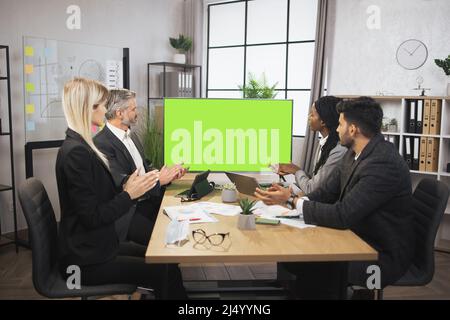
(126,155)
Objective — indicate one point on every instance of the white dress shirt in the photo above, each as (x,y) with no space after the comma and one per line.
(124,137)
(319,148)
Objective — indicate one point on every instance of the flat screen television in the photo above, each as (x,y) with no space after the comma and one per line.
(238,135)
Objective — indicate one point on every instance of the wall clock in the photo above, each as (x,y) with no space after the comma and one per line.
(412,54)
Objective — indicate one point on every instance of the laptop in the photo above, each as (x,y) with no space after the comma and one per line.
(245,184)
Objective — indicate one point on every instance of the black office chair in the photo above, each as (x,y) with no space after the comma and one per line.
(42,231)
(429,203)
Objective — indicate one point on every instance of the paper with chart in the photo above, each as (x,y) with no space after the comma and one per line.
(219,208)
(277,211)
(192,213)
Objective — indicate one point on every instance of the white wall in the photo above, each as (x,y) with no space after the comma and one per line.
(144,26)
(363,61)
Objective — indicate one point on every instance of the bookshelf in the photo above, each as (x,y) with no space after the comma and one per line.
(168,79)
(397,107)
(5,92)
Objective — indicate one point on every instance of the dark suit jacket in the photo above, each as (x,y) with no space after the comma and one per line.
(122,166)
(120,161)
(90,204)
(372,197)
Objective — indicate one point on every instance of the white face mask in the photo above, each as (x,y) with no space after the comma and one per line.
(177,231)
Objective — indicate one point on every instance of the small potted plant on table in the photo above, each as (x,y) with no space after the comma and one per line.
(229,193)
(246,220)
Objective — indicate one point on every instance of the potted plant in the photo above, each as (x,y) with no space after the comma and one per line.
(246,220)
(445,65)
(182,44)
(229,193)
(392,127)
(151,135)
(258,89)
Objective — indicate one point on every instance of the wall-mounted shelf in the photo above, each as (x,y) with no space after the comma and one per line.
(10,188)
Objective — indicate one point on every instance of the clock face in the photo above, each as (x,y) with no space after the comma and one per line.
(412,54)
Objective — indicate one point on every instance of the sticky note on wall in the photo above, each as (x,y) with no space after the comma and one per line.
(29,108)
(29,51)
(29,87)
(28,69)
(31,126)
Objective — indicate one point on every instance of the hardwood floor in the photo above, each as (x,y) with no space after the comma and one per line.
(16,280)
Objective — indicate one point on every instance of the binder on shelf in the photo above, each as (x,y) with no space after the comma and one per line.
(408,154)
(185,85)
(172,85)
(189,85)
(432,154)
(423,154)
(435,117)
(419,116)
(412,116)
(415,159)
(180,84)
(426,117)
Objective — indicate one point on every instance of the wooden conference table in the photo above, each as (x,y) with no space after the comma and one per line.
(268,243)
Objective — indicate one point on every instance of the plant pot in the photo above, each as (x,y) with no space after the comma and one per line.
(229,195)
(246,222)
(179,58)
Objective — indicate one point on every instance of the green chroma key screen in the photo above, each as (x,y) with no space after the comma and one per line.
(227,134)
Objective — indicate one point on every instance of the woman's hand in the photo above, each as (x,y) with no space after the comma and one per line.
(181,171)
(276,194)
(136,185)
(287,168)
(168,174)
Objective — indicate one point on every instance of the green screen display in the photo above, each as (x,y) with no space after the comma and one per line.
(227,134)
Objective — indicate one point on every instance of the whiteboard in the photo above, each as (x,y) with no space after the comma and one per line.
(48,65)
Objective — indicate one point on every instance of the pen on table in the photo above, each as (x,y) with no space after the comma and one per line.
(288,217)
(191,219)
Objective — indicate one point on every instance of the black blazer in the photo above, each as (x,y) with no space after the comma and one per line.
(90,204)
(372,197)
(120,161)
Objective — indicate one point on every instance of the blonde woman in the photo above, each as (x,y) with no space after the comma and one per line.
(90,202)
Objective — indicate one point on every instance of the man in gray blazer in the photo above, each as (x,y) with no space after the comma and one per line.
(368,193)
